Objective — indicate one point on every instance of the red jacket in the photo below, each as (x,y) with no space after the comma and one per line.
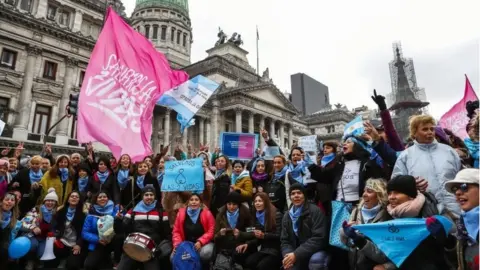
(207,221)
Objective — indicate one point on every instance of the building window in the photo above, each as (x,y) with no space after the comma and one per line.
(227,127)
(163,34)
(147,31)
(81,77)
(10,2)
(63,18)
(26,5)
(73,131)
(51,12)
(50,70)
(41,121)
(4,109)
(184,40)
(172,34)
(312,131)
(9,58)
(155,32)
(179,33)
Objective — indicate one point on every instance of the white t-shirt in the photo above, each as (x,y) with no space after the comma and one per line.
(349,180)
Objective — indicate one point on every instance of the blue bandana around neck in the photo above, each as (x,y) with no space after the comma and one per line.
(219,172)
(71,213)
(82,183)
(326,159)
(261,217)
(6,217)
(470,219)
(370,214)
(102,176)
(368,147)
(232,218)
(14,173)
(122,178)
(141,207)
(294,214)
(193,214)
(160,178)
(2,178)
(63,174)
(35,176)
(104,210)
(140,181)
(297,172)
(239,176)
(280,174)
(473,149)
(47,214)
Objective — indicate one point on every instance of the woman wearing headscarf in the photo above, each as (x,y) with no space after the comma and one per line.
(196,224)
(23,182)
(275,187)
(259,174)
(60,177)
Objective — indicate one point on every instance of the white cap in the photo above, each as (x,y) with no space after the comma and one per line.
(465,176)
(51,195)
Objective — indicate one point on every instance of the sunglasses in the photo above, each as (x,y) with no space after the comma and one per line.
(463,187)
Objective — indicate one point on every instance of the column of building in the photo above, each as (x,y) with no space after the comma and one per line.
(214,125)
(238,119)
(271,133)
(290,135)
(166,131)
(281,134)
(201,130)
(251,122)
(68,82)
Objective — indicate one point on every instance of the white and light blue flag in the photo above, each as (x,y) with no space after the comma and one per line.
(354,128)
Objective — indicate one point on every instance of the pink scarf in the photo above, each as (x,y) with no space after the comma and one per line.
(408,209)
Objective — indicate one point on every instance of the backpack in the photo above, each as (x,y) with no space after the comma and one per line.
(186,258)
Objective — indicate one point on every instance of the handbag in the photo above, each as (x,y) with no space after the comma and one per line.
(340,212)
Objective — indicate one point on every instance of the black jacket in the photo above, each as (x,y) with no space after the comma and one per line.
(29,197)
(110,186)
(276,192)
(312,234)
(77,223)
(126,193)
(220,190)
(151,224)
(228,242)
(270,244)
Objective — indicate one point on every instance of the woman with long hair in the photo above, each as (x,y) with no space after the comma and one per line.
(9,214)
(104,180)
(241,181)
(221,184)
(24,182)
(60,177)
(131,194)
(259,174)
(124,172)
(268,227)
(275,187)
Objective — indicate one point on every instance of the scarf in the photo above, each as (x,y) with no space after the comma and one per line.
(280,174)
(370,214)
(409,209)
(122,178)
(2,178)
(140,181)
(63,174)
(160,178)
(141,207)
(13,173)
(298,171)
(327,159)
(470,219)
(294,214)
(232,218)
(473,148)
(193,214)
(102,176)
(239,176)
(71,213)
(219,172)
(261,217)
(47,214)
(258,177)
(368,147)
(107,209)
(82,183)
(35,176)
(6,217)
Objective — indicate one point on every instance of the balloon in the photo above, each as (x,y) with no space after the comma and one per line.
(19,247)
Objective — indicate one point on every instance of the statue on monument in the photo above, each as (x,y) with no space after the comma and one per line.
(266,75)
(221,37)
(236,39)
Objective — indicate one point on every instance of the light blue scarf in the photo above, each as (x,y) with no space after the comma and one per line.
(71,213)
(2,178)
(261,217)
(6,217)
(102,176)
(35,176)
(141,207)
(122,178)
(82,183)
(232,218)
(294,214)
(236,177)
(470,219)
(160,178)
(327,159)
(63,174)
(193,214)
(280,174)
(297,172)
(473,148)
(107,209)
(140,181)
(370,214)
(219,172)
(14,173)
(47,214)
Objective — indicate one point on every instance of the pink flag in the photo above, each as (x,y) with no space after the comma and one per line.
(124,79)
(456,118)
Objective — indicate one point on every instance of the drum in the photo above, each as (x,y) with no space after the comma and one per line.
(140,247)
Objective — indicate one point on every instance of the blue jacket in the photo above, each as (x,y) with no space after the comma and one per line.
(435,162)
(90,230)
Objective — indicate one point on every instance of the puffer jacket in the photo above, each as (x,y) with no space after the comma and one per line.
(435,162)
(270,244)
(244,185)
(61,188)
(207,221)
(153,223)
(90,229)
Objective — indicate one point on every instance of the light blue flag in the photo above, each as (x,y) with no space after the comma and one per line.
(184,175)
(184,122)
(354,128)
(398,238)
(271,152)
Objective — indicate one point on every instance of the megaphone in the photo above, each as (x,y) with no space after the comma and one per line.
(48,252)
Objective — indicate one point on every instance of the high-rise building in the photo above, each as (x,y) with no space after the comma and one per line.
(308,95)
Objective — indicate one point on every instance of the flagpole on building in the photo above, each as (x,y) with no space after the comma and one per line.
(258,59)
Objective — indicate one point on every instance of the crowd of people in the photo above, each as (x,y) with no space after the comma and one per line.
(258,214)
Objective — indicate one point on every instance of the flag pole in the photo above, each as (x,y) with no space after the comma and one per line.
(258,59)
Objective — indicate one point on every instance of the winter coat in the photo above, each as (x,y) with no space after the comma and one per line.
(29,197)
(270,244)
(90,229)
(126,193)
(110,186)
(61,188)
(77,223)
(244,186)
(467,253)
(312,233)
(205,218)
(154,224)
(228,241)
(394,139)
(220,190)
(435,162)
(276,193)
(32,220)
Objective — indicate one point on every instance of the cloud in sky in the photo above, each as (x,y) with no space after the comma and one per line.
(347,45)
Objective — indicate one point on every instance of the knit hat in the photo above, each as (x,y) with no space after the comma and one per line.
(51,195)
(148,188)
(465,176)
(296,186)
(405,184)
(234,197)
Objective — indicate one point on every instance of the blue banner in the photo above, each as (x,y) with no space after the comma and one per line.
(238,145)
(184,175)
(399,237)
(270,152)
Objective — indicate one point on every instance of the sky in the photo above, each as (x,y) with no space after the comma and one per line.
(347,45)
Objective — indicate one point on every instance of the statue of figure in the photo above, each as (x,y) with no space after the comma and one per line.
(221,37)
(266,74)
(233,37)
(238,41)
(338,106)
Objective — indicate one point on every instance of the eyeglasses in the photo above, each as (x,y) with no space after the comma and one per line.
(463,187)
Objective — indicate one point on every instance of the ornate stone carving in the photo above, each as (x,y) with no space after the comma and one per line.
(71,62)
(33,50)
